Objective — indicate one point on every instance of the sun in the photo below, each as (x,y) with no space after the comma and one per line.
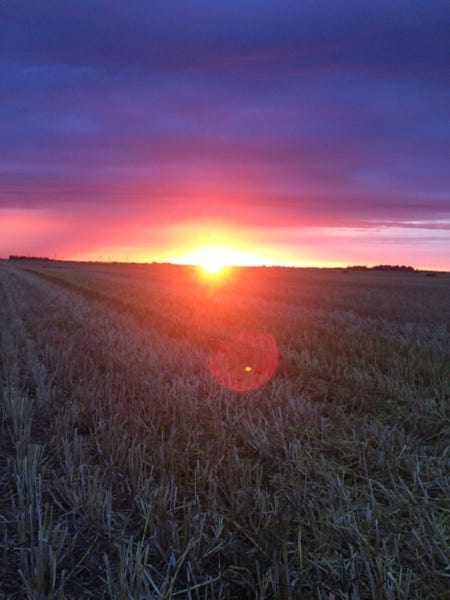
(212,259)
(212,268)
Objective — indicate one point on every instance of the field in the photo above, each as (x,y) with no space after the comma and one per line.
(128,472)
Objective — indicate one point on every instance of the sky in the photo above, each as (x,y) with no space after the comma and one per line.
(297,132)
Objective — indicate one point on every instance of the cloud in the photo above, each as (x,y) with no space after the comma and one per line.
(262,112)
(234,36)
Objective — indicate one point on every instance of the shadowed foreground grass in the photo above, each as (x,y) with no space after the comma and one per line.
(126,471)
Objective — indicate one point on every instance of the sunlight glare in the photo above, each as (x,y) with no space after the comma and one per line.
(213,259)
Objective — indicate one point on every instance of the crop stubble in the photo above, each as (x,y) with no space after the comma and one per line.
(126,471)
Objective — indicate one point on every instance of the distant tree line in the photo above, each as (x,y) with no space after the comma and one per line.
(16,257)
(380,268)
(396,268)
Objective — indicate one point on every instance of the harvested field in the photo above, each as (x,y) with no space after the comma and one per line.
(127,471)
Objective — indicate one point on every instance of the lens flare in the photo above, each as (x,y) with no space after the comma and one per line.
(246,362)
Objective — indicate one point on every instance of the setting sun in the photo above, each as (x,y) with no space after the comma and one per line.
(212,259)
(215,257)
(212,268)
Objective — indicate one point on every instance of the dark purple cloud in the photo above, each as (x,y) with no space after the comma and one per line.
(293,36)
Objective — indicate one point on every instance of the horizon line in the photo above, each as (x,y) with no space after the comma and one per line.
(363,266)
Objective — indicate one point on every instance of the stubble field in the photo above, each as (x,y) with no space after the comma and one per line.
(128,472)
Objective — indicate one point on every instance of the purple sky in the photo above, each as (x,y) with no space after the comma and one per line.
(304,131)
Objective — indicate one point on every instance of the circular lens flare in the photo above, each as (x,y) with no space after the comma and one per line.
(246,362)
